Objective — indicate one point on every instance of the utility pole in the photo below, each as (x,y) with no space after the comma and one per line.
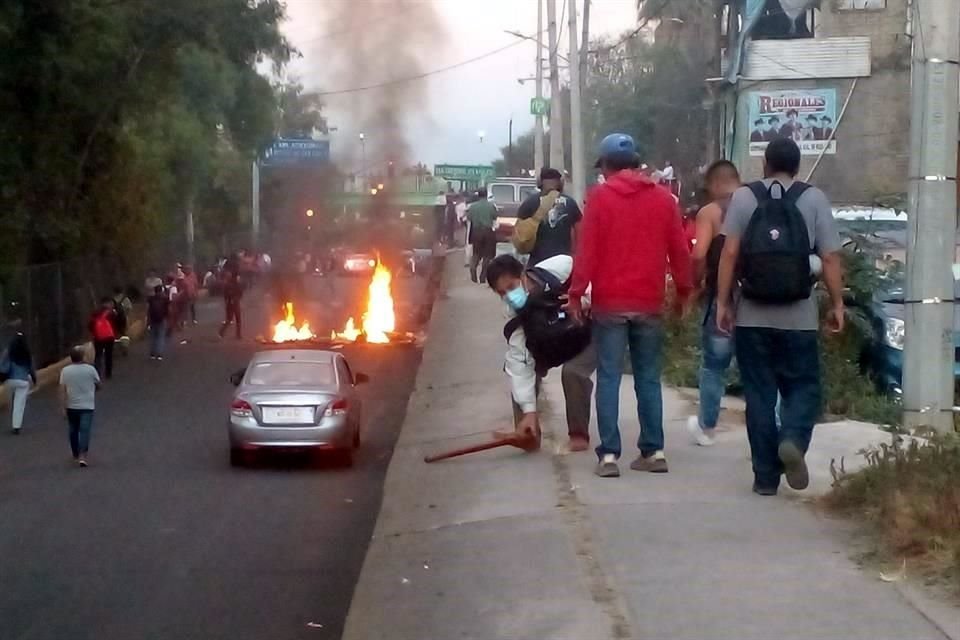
(585,43)
(556,110)
(538,123)
(932,217)
(255,205)
(576,124)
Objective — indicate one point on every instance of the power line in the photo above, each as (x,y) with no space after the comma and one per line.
(419,76)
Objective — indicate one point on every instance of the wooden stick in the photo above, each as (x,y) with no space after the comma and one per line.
(527,443)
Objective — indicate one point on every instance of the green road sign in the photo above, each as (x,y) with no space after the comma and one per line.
(463,172)
(539,106)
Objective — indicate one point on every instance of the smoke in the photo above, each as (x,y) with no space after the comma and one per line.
(379,43)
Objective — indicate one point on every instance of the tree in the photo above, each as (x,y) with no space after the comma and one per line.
(523,155)
(114,111)
(300,114)
(653,92)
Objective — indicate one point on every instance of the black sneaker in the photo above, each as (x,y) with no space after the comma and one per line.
(794,466)
(16,432)
(761,490)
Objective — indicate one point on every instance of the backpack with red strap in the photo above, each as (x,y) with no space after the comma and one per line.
(102,327)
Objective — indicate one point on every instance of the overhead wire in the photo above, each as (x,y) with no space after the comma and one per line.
(419,76)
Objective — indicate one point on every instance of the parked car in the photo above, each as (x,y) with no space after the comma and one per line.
(295,399)
(359,264)
(882,355)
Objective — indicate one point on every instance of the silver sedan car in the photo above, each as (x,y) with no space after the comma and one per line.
(295,399)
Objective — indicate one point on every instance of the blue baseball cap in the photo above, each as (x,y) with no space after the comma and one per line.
(617,146)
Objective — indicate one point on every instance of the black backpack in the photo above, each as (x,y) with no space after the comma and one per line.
(552,336)
(774,265)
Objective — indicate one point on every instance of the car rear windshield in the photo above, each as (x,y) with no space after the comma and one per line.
(502,192)
(526,192)
(290,374)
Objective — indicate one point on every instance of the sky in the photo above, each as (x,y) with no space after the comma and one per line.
(480,96)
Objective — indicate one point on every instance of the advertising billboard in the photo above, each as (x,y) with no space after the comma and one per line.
(807,116)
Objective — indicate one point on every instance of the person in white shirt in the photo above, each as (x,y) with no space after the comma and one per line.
(667,174)
(508,278)
(79,383)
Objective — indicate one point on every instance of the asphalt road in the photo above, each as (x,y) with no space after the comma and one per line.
(160,538)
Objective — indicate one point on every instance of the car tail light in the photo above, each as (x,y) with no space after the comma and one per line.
(336,408)
(241,408)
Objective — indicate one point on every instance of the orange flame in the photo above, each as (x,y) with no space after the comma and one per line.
(286,330)
(350,332)
(379,320)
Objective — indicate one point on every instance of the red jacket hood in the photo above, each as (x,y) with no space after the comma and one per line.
(628,182)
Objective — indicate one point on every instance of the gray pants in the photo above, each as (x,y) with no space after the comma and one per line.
(577,392)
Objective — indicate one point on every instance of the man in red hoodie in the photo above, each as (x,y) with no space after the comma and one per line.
(631,232)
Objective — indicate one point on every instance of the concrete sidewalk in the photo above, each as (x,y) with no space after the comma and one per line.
(507,545)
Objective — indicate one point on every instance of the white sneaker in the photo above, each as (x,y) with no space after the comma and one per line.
(697,435)
(607,467)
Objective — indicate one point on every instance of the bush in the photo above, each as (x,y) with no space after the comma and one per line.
(909,498)
(681,361)
(847,390)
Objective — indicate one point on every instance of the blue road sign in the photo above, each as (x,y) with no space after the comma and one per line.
(297,152)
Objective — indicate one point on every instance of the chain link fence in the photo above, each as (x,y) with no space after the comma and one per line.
(50,304)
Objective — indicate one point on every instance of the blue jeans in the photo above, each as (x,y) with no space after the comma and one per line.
(773,360)
(717,354)
(158,339)
(81,422)
(613,334)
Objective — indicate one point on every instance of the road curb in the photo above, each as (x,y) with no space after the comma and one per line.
(937,613)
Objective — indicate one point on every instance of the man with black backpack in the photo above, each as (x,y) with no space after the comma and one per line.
(775,230)
(541,336)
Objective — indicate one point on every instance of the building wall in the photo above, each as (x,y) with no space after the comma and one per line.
(873,135)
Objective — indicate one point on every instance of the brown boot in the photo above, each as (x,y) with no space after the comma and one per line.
(579,442)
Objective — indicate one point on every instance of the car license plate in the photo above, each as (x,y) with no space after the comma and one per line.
(288,415)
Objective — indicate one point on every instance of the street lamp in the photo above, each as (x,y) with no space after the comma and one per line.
(523,36)
(309,213)
(481,134)
(363,156)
